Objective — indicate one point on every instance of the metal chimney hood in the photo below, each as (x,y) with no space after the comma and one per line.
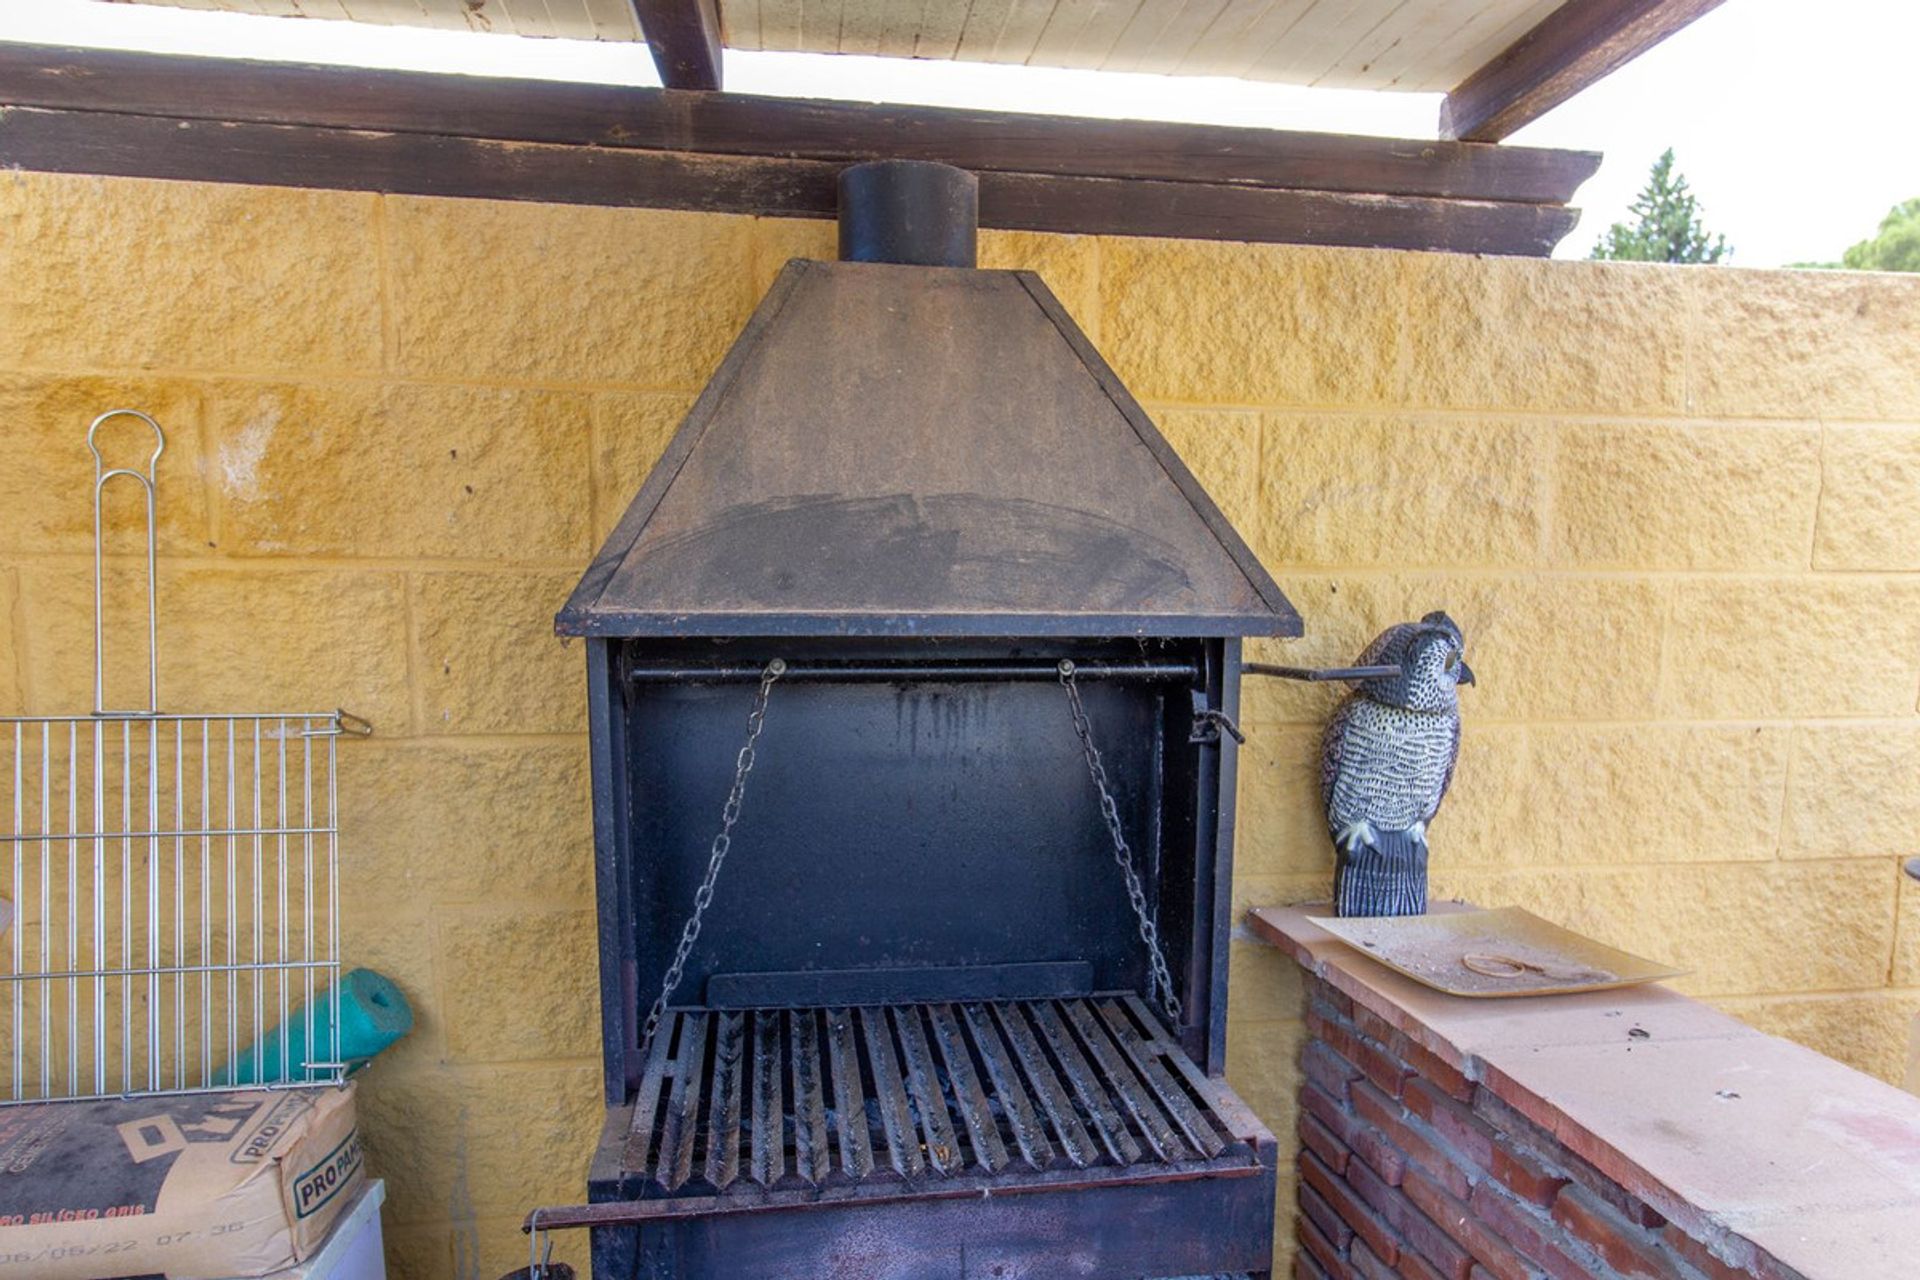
(900,444)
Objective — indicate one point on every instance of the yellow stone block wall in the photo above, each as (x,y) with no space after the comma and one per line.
(1676,510)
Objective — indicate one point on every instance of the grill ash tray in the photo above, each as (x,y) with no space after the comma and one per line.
(743,1108)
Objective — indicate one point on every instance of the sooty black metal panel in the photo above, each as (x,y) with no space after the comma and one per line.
(921,830)
(921,451)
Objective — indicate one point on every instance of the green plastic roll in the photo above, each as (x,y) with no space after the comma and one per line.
(373,1015)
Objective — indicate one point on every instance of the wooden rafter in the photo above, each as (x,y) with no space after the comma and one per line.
(1575,45)
(684,36)
(91,111)
(739,124)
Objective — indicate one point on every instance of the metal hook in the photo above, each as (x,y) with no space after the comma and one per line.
(147,479)
(352,725)
(538,1259)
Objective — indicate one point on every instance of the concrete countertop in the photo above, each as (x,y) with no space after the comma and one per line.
(1720,1127)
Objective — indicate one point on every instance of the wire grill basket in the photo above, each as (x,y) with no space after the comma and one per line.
(174,883)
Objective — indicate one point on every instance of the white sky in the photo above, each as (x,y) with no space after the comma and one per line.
(1792,119)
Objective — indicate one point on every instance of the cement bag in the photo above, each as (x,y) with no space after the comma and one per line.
(212,1184)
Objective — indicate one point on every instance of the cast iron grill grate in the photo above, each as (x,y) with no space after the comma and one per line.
(746,1101)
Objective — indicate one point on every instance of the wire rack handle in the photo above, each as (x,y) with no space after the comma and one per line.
(147,478)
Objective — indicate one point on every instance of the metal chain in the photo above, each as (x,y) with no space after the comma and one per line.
(1159,979)
(722,843)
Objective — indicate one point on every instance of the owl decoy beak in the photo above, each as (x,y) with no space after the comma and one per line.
(1466,673)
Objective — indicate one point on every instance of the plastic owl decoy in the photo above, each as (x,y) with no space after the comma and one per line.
(1386,763)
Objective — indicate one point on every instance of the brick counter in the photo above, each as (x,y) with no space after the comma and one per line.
(1628,1134)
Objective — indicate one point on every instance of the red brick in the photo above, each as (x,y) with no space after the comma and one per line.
(1417,1233)
(1318,1103)
(1464,1131)
(1381,1198)
(1380,1155)
(1464,1230)
(1352,1209)
(1516,1130)
(1700,1258)
(1375,1063)
(1367,1265)
(1611,1174)
(1321,989)
(1320,1140)
(1305,1268)
(1326,1068)
(1425,1062)
(1321,1214)
(1386,1115)
(1533,1237)
(1414,1267)
(1525,1176)
(1630,1251)
(1319,1246)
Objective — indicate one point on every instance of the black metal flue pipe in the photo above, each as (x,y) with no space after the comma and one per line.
(916,212)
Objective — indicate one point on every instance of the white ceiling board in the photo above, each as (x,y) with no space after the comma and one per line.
(1418,45)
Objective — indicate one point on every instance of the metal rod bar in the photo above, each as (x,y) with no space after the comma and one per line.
(626,1213)
(186,833)
(206,907)
(306,886)
(99,912)
(343,723)
(683,1107)
(660,673)
(849,1100)
(647,1101)
(179,904)
(141,971)
(989,1151)
(1194,1125)
(1317,675)
(1152,1120)
(126,905)
(811,1159)
(153,907)
(19,931)
(769,1105)
(333,898)
(1048,1093)
(73,904)
(147,1093)
(46,905)
(257,1028)
(723,1105)
(1089,1087)
(286,1064)
(890,1092)
(147,480)
(1028,1133)
(233,915)
(943,1146)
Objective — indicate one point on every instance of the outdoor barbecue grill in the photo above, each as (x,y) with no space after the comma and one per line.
(912,677)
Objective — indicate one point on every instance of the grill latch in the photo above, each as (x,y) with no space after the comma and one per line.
(1210,722)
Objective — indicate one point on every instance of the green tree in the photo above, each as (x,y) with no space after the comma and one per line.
(1896,248)
(1668,224)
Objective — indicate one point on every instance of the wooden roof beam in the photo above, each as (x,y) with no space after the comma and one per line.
(223,120)
(684,36)
(1575,45)
(623,118)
